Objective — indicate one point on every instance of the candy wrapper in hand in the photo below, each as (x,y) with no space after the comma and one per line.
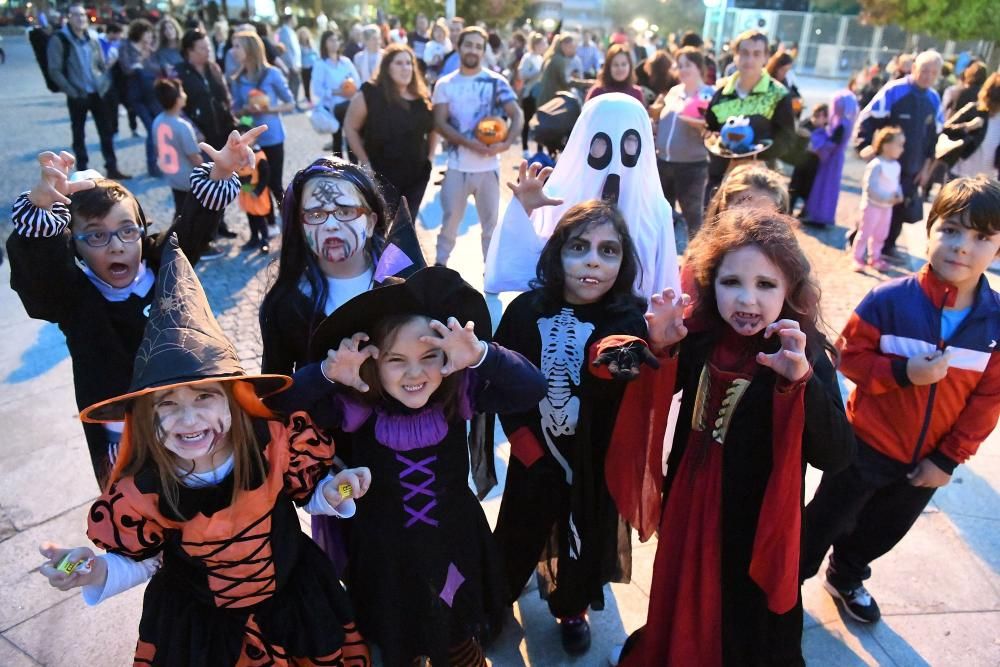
(79,567)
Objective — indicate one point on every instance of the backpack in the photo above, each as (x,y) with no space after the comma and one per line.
(39,39)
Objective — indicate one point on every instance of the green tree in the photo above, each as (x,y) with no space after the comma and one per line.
(945,19)
(491,12)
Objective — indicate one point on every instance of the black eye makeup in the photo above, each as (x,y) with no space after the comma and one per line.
(600,151)
(631,148)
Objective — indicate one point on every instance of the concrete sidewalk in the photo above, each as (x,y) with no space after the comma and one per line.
(939,590)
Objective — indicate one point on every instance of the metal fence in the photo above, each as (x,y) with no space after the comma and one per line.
(830,45)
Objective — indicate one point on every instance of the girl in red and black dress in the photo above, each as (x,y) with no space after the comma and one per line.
(760,401)
(201,503)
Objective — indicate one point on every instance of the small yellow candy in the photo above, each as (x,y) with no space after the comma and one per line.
(345,490)
(68,566)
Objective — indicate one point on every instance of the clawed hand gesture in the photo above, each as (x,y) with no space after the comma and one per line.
(53,183)
(529,187)
(665,319)
(790,361)
(343,365)
(460,345)
(236,154)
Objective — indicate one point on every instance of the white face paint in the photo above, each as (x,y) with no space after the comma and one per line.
(591,261)
(750,290)
(336,242)
(193,421)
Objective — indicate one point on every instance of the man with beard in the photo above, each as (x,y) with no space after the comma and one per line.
(461,100)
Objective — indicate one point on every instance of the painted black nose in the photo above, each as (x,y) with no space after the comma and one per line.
(611,185)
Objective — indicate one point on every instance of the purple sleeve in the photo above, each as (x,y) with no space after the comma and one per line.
(505,382)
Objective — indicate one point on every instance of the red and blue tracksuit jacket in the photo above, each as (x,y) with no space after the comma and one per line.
(945,421)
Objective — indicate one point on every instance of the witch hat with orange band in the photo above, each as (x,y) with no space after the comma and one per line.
(182,344)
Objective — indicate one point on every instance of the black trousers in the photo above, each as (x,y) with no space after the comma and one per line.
(276,163)
(910,210)
(180,198)
(98,107)
(684,183)
(863,511)
(528,105)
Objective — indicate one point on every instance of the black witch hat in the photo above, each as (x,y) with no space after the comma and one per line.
(183,343)
(435,291)
(401,256)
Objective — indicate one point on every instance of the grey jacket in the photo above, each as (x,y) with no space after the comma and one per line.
(71,81)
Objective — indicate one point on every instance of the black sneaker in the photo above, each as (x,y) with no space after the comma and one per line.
(225,232)
(211,251)
(575,633)
(116,175)
(858,602)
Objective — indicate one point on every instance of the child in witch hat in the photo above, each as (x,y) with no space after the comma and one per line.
(81,257)
(403,376)
(205,479)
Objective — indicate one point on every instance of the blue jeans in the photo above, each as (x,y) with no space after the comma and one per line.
(147,112)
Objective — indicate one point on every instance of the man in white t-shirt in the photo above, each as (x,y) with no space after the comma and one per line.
(461,100)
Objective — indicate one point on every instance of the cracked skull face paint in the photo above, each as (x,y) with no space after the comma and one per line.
(341,237)
(192,422)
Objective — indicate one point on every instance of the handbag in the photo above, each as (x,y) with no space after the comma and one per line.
(949,150)
(323,120)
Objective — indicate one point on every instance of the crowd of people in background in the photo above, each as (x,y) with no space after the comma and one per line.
(738,326)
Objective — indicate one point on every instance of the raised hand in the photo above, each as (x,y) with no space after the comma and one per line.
(237,152)
(665,319)
(460,345)
(89,570)
(624,362)
(343,365)
(53,182)
(790,361)
(529,187)
(928,369)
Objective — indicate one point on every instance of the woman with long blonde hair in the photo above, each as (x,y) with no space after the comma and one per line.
(390,127)
(261,92)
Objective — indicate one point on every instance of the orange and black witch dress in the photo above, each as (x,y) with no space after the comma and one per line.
(240,583)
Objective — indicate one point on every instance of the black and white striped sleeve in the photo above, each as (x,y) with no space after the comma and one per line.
(34,222)
(213,195)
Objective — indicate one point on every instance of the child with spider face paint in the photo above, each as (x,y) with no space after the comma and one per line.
(583,293)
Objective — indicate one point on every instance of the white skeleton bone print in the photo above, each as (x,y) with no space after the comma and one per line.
(564,340)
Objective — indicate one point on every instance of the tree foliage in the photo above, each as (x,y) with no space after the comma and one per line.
(491,12)
(945,19)
(669,15)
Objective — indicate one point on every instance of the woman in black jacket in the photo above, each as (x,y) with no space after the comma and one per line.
(208,101)
(977,125)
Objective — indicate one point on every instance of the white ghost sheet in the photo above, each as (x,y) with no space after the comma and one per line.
(577,177)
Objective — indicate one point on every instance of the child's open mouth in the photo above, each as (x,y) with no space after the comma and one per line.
(745,321)
(414,388)
(587,280)
(118,270)
(196,439)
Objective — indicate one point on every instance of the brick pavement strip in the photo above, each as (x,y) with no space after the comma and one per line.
(937,615)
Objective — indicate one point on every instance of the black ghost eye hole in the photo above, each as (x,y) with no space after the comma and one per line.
(600,151)
(631,148)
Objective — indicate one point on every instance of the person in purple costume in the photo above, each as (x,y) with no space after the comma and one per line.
(830,144)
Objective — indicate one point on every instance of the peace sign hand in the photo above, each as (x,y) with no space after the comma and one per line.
(665,319)
(53,182)
(343,366)
(790,361)
(460,345)
(237,152)
(528,189)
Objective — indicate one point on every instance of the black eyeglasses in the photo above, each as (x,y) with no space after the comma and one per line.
(319,216)
(99,239)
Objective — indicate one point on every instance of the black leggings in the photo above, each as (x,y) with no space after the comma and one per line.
(276,163)
(528,104)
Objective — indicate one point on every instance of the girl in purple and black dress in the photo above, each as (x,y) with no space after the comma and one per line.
(403,376)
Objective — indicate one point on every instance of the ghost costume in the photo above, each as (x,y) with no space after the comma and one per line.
(630,179)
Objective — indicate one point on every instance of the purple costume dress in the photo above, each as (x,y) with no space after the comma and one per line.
(830,144)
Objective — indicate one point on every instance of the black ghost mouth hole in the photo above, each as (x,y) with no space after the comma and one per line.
(631,148)
(600,153)
(612,185)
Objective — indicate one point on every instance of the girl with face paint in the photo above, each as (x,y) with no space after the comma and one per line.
(200,503)
(555,480)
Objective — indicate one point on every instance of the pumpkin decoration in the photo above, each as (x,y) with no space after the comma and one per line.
(491,130)
(258,100)
(348,87)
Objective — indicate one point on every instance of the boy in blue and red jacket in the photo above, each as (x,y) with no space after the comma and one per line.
(923,353)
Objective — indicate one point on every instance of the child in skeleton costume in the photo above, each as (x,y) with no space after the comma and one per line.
(403,377)
(556,513)
(206,480)
(337,242)
(81,258)
(760,400)
(610,156)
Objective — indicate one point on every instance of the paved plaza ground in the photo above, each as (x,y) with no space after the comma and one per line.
(939,590)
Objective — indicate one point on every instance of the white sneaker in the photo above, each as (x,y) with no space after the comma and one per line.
(526,154)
